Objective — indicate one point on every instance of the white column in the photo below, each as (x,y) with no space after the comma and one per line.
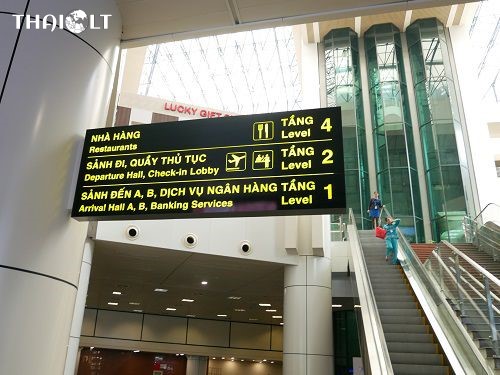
(307,331)
(196,365)
(365,89)
(53,86)
(79,310)
(417,144)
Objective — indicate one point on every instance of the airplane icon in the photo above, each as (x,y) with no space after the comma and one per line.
(236,161)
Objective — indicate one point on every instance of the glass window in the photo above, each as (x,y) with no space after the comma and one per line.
(440,129)
(343,89)
(393,137)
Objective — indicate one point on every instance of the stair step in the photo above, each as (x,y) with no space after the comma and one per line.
(481,335)
(387,297)
(481,326)
(411,347)
(399,312)
(404,328)
(409,337)
(409,369)
(396,305)
(401,319)
(417,358)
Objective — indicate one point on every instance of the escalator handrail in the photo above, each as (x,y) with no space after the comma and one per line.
(416,273)
(380,362)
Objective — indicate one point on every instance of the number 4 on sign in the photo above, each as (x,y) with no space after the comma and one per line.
(329,191)
(326,125)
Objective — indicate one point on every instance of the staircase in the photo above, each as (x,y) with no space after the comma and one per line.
(423,250)
(412,346)
(482,258)
(473,313)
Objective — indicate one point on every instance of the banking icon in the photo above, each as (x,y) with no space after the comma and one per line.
(262,160)
(236,161)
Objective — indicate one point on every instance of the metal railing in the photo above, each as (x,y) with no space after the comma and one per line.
(378,361)
(338,228)
(486,237)
(489,205)
(471,289)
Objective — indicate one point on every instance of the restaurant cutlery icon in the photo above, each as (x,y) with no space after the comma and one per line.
(263,130)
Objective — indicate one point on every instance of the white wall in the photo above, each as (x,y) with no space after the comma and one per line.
(476,117)
(266,236)
(236,367)
(183,335)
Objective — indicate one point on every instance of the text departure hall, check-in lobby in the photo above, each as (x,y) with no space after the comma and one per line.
(246,187)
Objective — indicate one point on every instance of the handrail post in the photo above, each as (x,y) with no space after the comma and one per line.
(438,251)
(458,274)
(491,314)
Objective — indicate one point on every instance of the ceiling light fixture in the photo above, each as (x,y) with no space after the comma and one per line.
(265,304)
(277,316)
(271,310)
(137,311)
(136,351)
(222,315)
(204,282)
(117,293)
(282,323)
(336,305)
(233,297)
(239,310)
(170,309)
(191,316)
(213,357)
(161,290)
(113,303)
(187,300)
(134,303)
(223,357)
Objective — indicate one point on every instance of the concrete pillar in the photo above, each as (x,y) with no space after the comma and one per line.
(54,85)
(196,365)
(307,331)
(79,309)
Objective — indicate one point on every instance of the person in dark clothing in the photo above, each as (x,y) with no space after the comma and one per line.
(374,209)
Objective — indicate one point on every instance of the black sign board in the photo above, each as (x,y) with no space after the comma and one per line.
(286,163)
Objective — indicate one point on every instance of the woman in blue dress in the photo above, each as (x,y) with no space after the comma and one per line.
(391,238)
(374,209)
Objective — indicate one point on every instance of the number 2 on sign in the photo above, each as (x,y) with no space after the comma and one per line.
(329,191)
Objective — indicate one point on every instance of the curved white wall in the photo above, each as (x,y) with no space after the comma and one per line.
(54,85)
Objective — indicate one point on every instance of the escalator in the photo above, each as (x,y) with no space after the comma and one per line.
(408,327)
(413,348)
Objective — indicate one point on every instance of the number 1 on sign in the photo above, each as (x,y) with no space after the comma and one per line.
(329,191)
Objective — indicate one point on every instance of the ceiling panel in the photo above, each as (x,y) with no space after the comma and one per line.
(155,21)
(136,271)
(396,18)
(441,13)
